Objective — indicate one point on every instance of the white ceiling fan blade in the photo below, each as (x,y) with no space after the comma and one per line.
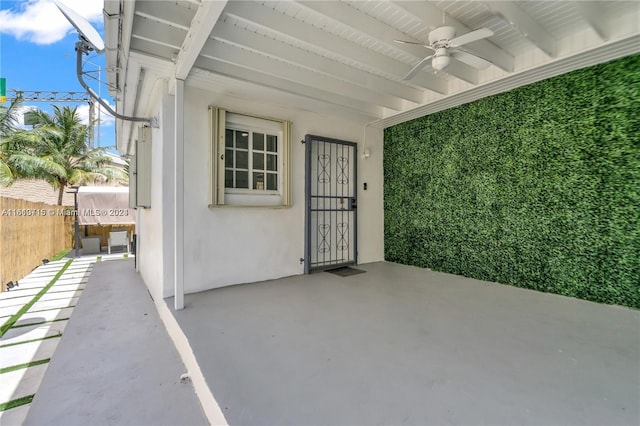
(413,42)
(470,37)
(472,60)
(417,68)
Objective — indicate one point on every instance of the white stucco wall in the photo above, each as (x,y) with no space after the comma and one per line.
(233,245)
(154,229)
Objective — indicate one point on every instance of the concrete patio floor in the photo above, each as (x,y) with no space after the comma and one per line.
(403,345)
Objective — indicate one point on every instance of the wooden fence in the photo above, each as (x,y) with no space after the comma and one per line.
(29,233)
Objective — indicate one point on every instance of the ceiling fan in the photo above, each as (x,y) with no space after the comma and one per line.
(446,45)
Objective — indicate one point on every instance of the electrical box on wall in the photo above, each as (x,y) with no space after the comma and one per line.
(143,167)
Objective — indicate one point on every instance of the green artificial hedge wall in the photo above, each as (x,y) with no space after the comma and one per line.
(538,187)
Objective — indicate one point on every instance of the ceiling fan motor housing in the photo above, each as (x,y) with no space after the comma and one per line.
(441,35)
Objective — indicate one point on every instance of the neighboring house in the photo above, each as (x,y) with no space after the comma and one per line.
(36,191)
(116,161)
(39,191)
(230,194)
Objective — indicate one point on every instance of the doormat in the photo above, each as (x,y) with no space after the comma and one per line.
(345,271)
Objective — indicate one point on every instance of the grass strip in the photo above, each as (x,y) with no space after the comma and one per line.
(32,340)
(62,297)
(16,402)
(60,255)
(25,365)
(76,290)
(50,309)
(7,325)
(42,322)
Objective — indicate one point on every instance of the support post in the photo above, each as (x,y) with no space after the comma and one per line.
(76,222)
(179,196)
(76,225)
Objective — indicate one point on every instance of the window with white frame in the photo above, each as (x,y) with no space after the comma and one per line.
(249,161)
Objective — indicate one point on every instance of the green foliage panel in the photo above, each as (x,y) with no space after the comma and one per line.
(538,187)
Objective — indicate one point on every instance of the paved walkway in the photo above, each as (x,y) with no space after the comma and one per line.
(116,363)
(34,316)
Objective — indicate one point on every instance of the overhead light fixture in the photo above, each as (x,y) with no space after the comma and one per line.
(439,63)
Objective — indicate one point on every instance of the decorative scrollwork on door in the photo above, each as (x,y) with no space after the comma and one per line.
(343,235)
(343,170)
(324,175)
(324,240)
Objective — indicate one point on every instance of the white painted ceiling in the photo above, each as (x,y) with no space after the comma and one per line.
(341,56)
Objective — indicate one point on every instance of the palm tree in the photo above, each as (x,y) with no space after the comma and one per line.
(56,151)
(8,126)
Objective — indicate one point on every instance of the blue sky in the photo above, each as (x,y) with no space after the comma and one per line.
(37,53)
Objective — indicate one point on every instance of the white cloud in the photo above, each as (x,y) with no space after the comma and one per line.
(40,21)
(105,118)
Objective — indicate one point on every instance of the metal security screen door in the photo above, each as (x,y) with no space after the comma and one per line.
(330,191)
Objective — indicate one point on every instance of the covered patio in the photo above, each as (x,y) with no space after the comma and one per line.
(103,210)
(404,345)
(393,345)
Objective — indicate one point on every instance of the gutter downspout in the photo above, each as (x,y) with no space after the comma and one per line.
(136,102)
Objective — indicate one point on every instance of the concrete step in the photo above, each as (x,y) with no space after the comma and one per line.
(40,316)
(19,383)
(67,287)
(53,304)
(9,311)
(37,331)
(28,352)
(18,292)
(58,295)
(16,301)
(14,416)
(63,280)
